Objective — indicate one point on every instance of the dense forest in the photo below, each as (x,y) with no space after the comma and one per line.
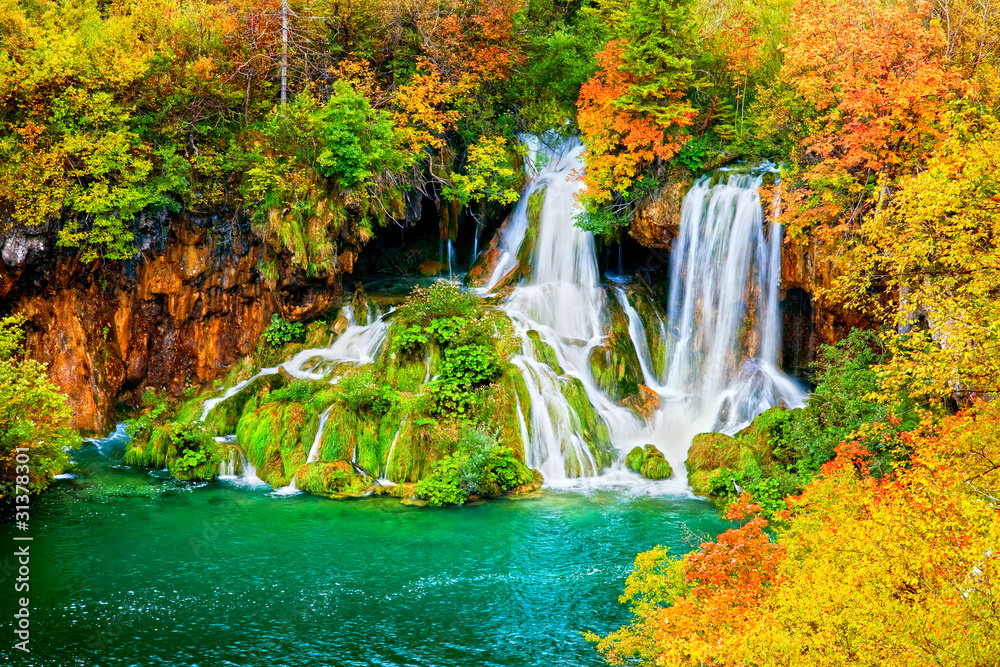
(868,522)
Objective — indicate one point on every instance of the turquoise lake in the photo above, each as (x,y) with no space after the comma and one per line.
(130,567)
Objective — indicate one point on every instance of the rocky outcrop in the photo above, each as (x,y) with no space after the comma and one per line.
(808,269)
(190,303)
(658,219)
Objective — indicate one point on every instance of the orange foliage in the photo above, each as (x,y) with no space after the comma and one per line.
(621,139)
(876,81)
(901,571)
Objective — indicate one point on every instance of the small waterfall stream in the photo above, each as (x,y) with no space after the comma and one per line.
(357,345)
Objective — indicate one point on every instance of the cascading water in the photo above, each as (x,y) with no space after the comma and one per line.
(357,345)
(314,450)
(720,369)
(725,275)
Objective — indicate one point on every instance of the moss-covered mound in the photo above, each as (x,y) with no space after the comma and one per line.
(718,464)
(185,449)
(648,461)
(614,363)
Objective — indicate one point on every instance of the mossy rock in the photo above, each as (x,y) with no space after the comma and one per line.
(656,468)
(527,249)
(545,352)
(763,431)
(163,449)
(589,425)
(700,482)
(329,478)
(635,458)
(614,363)
(430,267)
(710,451)
(648,461)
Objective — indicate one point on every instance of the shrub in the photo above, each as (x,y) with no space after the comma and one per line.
(480,466)
(363,391)
(280,332)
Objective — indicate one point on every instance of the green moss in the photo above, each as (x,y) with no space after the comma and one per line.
(527,249)
(544,352)
(635,458)
(277,438)
(330,478)
(648,461)
(712,450)
(185,449)
(656,468)
(589,425)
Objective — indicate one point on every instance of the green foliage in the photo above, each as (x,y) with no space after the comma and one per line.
(443,299)
(409,339)
(280,333)
(296,391)
(843,401)
(363,391)
(480,466)
(444,485)
(692,154)
(462,370)
(34,417)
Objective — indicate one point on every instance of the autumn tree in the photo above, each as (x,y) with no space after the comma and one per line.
(927,262)
(633,111)
(868,87)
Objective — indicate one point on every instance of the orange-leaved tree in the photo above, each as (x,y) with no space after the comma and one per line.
(898,571)
(868,86)
(633,112)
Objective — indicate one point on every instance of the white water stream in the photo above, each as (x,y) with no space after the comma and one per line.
(357,345)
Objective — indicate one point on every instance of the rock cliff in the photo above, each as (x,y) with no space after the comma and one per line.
(191,302)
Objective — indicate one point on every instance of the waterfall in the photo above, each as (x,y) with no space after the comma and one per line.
(723,326)
(562,304)
(236,468)
(384,479)
(314,450)
(357,345)
(723,311)
(548,159)
(637,334)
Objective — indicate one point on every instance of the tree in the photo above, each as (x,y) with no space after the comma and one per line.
(633,111)
(34,418)
(928,262)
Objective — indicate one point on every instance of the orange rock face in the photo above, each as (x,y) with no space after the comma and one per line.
(176,315)
(658,220)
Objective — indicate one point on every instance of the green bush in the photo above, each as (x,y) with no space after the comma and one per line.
(443,299)
(364,392)
(191,442)
(480,466)
(280,333)
(444,485)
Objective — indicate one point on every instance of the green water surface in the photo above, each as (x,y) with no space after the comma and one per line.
(130,567)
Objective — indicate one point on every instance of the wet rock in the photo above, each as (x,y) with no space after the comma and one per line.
(658,219)
(430,267)
(645,402)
